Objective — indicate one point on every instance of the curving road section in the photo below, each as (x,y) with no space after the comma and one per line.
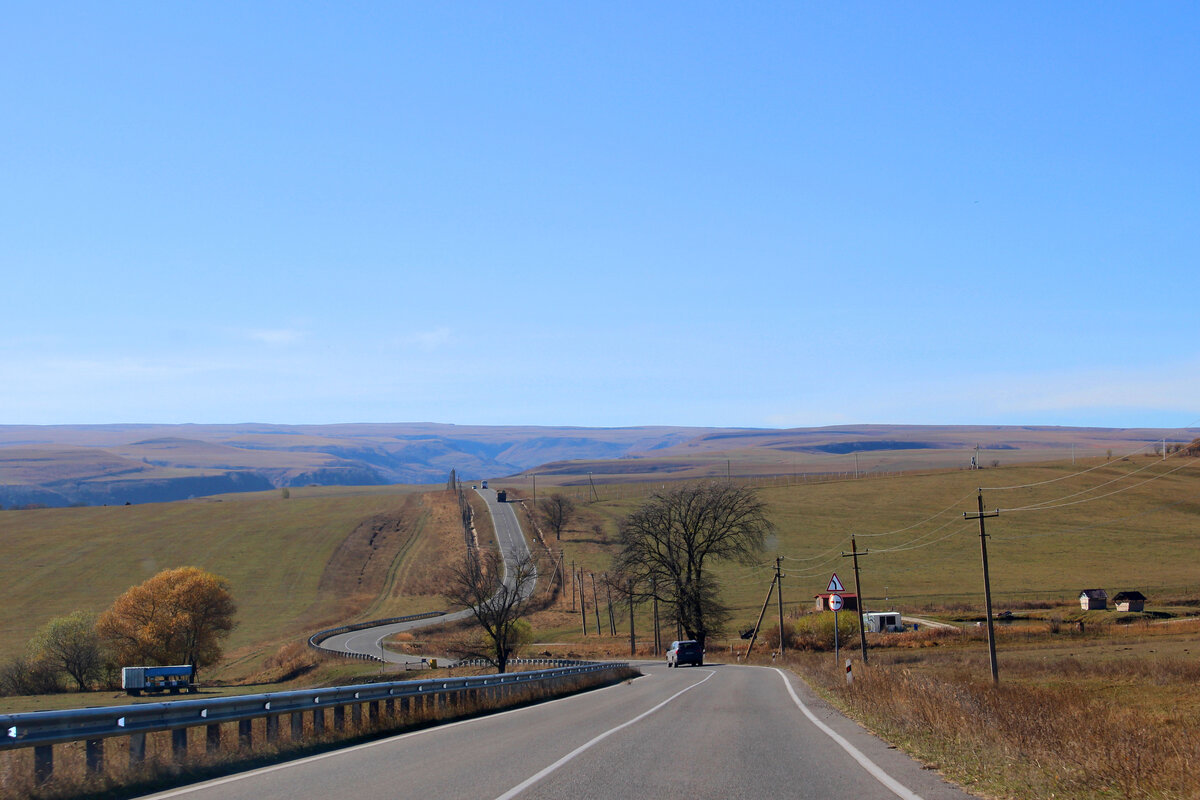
(723,731)
(369,641)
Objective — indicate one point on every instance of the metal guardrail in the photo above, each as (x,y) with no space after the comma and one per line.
(550,662)
(57,727)
(315,640)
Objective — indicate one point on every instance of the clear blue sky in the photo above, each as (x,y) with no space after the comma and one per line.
(604,214)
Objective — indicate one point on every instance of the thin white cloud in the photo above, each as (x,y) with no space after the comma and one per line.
(275,337)
(429,340)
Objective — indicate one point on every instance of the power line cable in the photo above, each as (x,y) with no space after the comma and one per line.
(1189,429)
(1044,507)
(1098,525)
(1122,477)
(950,507)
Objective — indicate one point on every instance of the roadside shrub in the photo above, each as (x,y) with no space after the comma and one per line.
(770,636)
(815,631)
(30,676)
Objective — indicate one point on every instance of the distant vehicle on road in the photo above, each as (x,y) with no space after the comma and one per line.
(687,651)
(484,484)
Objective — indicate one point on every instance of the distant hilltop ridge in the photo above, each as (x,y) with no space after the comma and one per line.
(60,465)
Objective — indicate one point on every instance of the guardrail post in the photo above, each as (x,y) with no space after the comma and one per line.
(137,749)
(245,733)
(94,754)
(419,699)
(179,738)
(43,762)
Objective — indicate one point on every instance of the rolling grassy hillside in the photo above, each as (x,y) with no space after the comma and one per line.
(320,558)
(329,555)
(1132,524)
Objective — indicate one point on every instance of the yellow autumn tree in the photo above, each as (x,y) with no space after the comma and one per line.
(177,617)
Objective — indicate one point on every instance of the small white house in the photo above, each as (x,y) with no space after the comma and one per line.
(883,622)
(1093,599)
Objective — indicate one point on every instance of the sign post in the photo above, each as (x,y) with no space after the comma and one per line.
(835,602)
(835,605)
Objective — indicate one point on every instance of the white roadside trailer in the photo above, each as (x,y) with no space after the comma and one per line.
(883,622)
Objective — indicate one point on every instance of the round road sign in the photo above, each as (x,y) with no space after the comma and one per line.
(835,602)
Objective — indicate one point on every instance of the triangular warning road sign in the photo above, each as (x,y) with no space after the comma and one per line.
(835,585)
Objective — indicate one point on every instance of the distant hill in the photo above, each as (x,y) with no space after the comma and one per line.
(116,464)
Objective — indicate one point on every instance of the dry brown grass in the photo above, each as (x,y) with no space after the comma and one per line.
(391,563)
(1112,716)
(291,661)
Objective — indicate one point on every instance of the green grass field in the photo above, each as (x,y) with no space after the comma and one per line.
(272,551)
(1132,524)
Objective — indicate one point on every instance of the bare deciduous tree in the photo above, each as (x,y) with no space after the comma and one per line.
(498,601)
(670,542)
(557,511)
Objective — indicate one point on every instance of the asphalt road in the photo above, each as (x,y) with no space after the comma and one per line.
(368,641)
(717,731)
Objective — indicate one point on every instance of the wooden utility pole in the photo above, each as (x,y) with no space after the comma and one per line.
(987,584)
(761,614)
(595,602)
(632,640)
(582,601)
(612,622)
(657,627)
(779,597)
(572,585)
(862,631)
(562,575)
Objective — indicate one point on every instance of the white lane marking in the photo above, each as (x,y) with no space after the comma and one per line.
(367,745)
(897,788)
(530,781)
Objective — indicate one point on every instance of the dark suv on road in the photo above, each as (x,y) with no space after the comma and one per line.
(685,652)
